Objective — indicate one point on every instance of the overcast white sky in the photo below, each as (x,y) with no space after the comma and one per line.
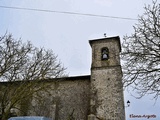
(67,35)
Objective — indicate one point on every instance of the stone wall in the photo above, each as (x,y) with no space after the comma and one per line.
(107,94)
(68,98)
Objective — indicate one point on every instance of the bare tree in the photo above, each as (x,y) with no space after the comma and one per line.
(22,68)
(141,53)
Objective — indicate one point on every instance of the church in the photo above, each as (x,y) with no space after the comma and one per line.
(98,96)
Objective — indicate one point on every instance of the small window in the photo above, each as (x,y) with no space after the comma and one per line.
(105,54)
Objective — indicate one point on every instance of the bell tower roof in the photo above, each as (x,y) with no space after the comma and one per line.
(106,39)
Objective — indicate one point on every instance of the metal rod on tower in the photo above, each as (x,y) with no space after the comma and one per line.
(159,9)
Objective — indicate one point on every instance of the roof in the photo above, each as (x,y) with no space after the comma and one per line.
(72,78)
(106,39)
(85,77)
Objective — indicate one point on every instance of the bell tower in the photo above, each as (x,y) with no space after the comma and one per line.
(107,102)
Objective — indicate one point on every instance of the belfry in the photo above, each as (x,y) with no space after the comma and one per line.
(107,102)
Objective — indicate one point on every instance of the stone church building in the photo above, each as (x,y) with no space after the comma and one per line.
(98,96)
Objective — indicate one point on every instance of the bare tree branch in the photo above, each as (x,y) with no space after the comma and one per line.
(22,68)
(141,53)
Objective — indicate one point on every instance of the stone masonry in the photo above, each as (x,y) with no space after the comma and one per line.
(106,101)
(98,96)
